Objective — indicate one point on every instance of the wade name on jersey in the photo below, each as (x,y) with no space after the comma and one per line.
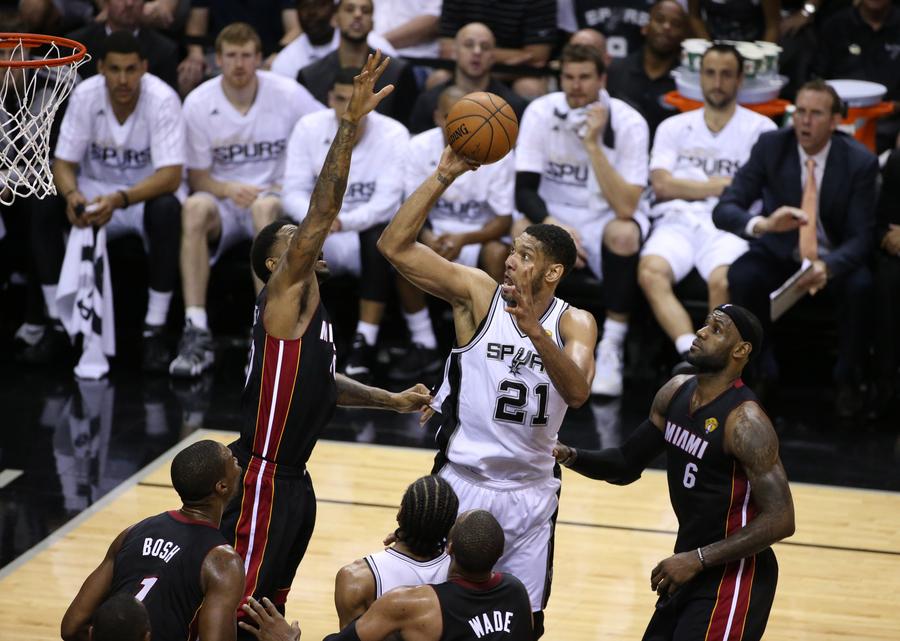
(241,153)
(523,357)
(491,622)
(160,548)
(685,440)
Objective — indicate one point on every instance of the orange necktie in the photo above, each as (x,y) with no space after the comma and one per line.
(809,244)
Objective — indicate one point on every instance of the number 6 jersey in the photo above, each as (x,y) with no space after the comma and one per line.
(500,412)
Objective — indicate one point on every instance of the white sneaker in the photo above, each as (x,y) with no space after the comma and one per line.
(608,370)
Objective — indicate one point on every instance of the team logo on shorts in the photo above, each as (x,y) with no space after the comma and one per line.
(711,424)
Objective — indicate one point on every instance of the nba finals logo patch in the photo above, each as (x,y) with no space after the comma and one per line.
(711,424)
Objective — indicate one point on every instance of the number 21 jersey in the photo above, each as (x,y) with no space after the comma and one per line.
(500,412)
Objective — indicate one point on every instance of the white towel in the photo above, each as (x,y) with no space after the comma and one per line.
(85,300)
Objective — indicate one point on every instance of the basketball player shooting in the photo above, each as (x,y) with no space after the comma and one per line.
(726,483)
(523,357)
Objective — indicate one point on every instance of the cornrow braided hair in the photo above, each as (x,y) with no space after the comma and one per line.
(427,513)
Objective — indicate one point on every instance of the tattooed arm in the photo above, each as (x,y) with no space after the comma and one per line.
(351,393)
(751,439)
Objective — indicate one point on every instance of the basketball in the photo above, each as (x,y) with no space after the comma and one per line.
(482,127)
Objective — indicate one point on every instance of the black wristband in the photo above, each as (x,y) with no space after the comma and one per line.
(125,200)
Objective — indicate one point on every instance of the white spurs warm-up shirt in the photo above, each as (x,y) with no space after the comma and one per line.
(118,154)
(474,199)
(550,144)
(375,183)
(248,148)
(685,147)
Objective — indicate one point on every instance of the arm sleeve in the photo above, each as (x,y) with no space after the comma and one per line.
(198,143)
(731,213)
(299,173)
(528,201)
(75,131)
(622,465)
(664,154)
(167,138)
(388,188)
(501,195)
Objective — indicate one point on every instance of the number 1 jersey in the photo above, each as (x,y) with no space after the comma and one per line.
(500,412)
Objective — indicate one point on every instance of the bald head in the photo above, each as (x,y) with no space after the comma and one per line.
(591,38)
(474,46)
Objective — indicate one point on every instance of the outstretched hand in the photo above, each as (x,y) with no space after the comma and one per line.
(364,98)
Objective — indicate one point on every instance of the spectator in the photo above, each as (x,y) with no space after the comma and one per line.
(469,221)
(55,17)
(862,42)
(525,32)
(621,21)
(581,163)
(822,182)
(238,126)
(275,21)
(319,38)
(887,283)
(373,194)
(739,20)
(694,157)
(125,15)
(592,38)
(411,26)
(798,41)
(120,149)
(354,21)
(644,77)
(473,50)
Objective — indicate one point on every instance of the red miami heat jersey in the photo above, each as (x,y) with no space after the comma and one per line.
(289,395)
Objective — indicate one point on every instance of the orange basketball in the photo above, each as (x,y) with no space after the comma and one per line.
(482,127)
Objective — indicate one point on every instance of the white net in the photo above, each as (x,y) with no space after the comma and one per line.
(29,98)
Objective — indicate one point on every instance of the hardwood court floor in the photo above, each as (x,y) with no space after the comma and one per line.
(840,574)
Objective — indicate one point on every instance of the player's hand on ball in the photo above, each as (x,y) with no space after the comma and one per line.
(364,99)
(452,165)
(415,399)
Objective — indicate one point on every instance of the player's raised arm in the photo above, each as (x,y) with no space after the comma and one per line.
(328,194)
(418,263)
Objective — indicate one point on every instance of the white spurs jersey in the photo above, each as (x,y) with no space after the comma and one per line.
(392,569)
(248,148)
(685,147)
(114,153)
(500,412)
(375,183)
(550,144)
(474,199)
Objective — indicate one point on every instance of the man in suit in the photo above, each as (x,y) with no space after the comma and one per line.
(818,193)
(125,15)
(354,21)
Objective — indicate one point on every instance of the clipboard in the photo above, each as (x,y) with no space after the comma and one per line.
(786,296)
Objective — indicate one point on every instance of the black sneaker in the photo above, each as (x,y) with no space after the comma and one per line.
(417,362)
(359,362)
(195,353)
(156,355)
(53,345)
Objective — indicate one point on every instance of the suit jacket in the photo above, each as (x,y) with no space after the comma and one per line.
(161,53)
(319,77)
(846,197)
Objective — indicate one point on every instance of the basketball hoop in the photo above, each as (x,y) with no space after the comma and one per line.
(31,90)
